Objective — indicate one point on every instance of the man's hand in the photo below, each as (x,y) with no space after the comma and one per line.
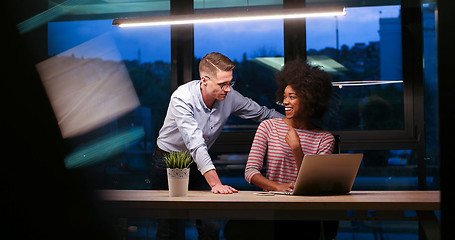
(217,187)
(223,189)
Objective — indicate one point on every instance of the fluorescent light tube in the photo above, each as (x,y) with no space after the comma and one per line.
(231,16)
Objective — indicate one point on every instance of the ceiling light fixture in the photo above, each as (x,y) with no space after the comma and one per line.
(230,16)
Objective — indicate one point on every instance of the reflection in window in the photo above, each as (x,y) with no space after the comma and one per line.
(362,51)
(146,61)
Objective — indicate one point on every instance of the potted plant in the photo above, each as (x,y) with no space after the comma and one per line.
(178,172)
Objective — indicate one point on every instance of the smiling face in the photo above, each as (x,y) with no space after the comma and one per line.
(292,105)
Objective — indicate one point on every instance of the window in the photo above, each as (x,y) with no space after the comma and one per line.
(362,51)
(387,170)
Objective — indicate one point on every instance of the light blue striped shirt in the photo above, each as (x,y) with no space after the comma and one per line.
(191,126)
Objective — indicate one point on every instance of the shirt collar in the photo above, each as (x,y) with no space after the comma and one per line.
(198,92)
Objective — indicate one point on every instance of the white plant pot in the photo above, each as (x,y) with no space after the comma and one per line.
(178,181)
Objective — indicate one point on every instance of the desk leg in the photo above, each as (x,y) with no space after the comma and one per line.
(430,224)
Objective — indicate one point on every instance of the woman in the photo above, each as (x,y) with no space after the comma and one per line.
(305,92)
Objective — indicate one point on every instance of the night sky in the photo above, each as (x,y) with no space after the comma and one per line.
(360,25)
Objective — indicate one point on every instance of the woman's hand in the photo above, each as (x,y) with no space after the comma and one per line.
(284,187)
(292,139)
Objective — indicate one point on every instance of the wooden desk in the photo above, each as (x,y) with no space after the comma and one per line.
(359,205)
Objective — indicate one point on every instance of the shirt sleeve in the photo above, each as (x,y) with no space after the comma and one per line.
(327,144)
(248,109)
(191,134)
(257,153)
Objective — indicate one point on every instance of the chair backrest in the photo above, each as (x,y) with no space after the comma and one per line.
(337,148)
(330,228)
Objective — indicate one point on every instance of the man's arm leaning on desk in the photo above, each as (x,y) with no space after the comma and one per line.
(210,174)
(215,183)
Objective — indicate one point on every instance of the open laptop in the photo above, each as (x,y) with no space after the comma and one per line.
(326,174)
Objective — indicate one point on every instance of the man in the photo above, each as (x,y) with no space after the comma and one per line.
(196,114)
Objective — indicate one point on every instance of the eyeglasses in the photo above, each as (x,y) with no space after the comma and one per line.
(224,86)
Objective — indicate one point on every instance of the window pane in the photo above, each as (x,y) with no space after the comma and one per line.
(387,170)
(247,44)
(119,148)
(362,51)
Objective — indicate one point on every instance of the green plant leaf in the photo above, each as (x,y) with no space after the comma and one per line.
(178,160)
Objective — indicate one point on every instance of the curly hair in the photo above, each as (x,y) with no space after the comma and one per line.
(312,85)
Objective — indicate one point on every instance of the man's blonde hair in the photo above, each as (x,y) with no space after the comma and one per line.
(214,62)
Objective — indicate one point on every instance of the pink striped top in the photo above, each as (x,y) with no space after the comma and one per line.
(270,140)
